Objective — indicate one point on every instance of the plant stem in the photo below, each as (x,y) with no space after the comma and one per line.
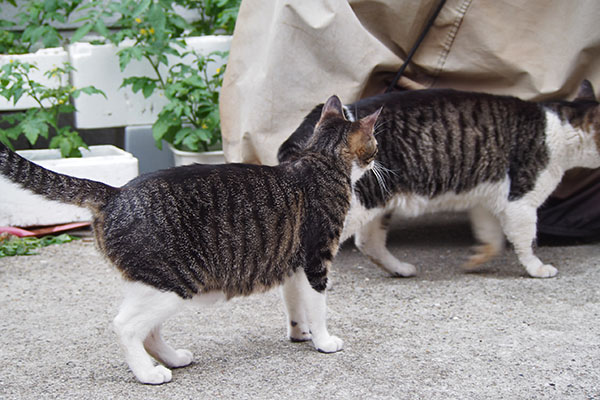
(31,93)
(155,67)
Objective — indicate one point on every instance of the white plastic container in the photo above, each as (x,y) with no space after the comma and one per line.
(98,65)
(190,157)
(107,164)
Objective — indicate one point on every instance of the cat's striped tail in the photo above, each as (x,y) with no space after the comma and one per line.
(52,185)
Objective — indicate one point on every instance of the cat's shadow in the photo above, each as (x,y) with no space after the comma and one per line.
(445,230)
(438,245)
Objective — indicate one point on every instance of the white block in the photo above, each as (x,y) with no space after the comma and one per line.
(190,157)
(44,59)
(107,164)
(98,65)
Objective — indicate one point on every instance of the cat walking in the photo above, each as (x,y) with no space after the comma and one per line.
(205,233)
(445,150)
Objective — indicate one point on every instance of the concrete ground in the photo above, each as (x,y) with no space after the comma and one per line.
(445,334)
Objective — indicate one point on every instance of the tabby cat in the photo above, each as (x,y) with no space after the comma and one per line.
(207,233)
(499,157)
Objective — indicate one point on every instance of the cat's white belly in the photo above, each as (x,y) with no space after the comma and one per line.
(494,196)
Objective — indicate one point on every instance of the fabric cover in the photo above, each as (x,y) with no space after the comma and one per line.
(288,56)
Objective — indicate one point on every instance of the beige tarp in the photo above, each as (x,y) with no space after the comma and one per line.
(288,56)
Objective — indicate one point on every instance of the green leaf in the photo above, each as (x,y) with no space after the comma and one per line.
(124,60)
(182,134)
(16,246)
(89,90)
(141,7)
(138,85)
(63,144)
(81,32)
(160,128)
(101,28)
(33,127)
(148,89)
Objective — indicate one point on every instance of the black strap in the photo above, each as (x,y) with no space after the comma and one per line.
(416,46)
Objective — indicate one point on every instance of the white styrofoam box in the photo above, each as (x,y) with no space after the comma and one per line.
(44,59)
(108,164)
(98,65)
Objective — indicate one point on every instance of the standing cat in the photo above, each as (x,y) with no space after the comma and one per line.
(206,233)
(499,157)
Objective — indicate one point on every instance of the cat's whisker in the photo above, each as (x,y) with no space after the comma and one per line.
(382,168)
(378,173)
(380,126)
(382,122)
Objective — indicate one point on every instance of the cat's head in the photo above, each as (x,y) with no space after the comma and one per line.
(585,112)
(353,141)
(583,115)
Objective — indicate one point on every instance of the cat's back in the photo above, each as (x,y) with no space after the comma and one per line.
(201,193)
(443,140)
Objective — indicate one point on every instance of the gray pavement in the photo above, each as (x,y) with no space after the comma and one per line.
(496,334)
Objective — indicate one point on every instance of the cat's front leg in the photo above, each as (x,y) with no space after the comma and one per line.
(371,241)
(519,225)
(310,305)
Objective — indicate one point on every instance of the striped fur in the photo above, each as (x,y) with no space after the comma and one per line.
(236,228)
(443,149)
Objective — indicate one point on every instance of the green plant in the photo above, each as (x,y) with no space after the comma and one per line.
(16,246)
(216,16)
(156,30)
(190,120)
(35,25)
(16,81)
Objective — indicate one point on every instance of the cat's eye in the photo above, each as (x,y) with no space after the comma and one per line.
(371,156)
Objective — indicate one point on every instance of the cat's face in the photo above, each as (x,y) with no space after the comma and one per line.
(355,141)
(362,142)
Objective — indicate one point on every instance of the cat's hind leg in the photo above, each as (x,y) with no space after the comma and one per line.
(519,224)
(297,327)
(137,326)
(488,231)
(370,239)
(310,309)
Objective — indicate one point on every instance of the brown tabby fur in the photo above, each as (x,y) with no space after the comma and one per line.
(234,228)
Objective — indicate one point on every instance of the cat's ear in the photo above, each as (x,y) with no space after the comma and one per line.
(586,91)
(367,123)
(332,108)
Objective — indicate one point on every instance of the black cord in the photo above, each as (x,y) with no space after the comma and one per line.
(416,46)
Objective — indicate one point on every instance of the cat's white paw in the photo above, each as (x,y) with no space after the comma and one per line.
(183,357)
(330,345)
(155,376)
(395,267)
(543,271)
(299,332)
(403,269)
